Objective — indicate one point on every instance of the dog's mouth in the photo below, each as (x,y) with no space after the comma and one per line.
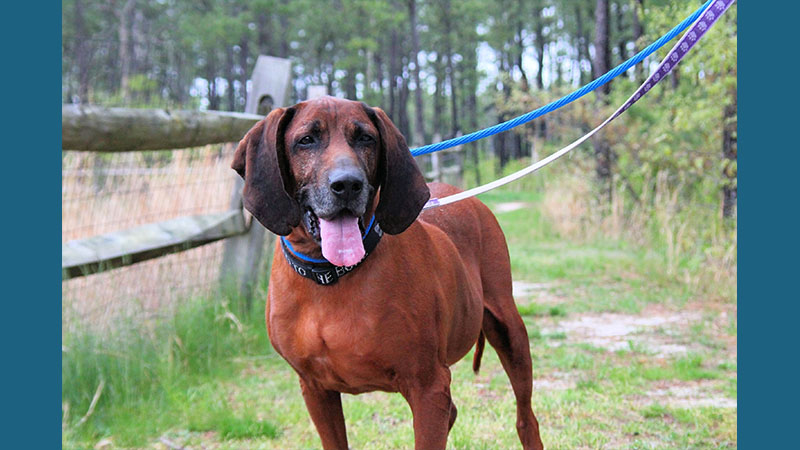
(338,235)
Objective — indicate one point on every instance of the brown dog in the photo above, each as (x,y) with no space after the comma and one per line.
(384,312)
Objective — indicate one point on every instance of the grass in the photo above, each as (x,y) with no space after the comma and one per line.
(211,412)
(159,377)
(535,309)
(210,378)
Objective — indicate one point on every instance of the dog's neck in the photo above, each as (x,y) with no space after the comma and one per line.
(322,271)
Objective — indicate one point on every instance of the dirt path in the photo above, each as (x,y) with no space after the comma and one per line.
(657,335)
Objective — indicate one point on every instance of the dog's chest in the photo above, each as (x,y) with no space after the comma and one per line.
(337,350)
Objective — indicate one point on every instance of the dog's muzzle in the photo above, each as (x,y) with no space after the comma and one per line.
(335,211)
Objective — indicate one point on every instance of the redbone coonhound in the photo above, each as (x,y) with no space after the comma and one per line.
(365,292)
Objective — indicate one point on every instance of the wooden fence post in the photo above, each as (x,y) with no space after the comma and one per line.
(316,90)
(241,259)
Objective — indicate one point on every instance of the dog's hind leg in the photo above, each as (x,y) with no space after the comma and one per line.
(507,335)
(505,331)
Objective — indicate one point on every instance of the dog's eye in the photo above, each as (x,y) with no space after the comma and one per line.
(366,139)
(306,140)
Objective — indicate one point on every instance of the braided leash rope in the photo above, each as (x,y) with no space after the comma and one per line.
(708,16)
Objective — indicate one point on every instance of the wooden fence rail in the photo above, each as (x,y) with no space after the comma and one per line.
(99,129)
(82,257)
(102,129)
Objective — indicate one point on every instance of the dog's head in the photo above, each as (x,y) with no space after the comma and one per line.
(321,163)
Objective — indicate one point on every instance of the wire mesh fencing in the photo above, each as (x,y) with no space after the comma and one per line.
(107,192)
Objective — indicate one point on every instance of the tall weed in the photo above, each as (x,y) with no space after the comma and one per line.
(694,243)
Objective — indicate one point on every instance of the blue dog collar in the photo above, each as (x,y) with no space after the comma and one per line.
(321,270)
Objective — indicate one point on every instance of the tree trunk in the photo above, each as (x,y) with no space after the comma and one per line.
(451,75)
(621,42)
(637,7)
(181,90)
(540,44)
(139,51)
(602,58)
(231,77)
(211,76)
(82,53)
(729,123)
(501,143)
(420,137)
(330,77)
(559,72)
(283,47)
(583,46)
(264,34)
(500,147)
(519,145)
(438,95)
(451,79)
(521,46)
(244,66)
(379,70)
(393,70)
(602,63)
(125,50)
(675,77)
(541,126)
(402,108)
(471,106)
(350,85)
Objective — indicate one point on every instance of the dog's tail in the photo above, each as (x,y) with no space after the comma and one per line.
(476,360)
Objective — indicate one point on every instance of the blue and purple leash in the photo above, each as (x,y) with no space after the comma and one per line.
(704,19)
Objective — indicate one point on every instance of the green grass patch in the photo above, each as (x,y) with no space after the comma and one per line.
(535,309)
(147,368)
(654,411)
(231,425)
(588,384)
(687,368)
(558,336)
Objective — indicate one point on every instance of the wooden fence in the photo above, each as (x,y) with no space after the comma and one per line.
(98,129)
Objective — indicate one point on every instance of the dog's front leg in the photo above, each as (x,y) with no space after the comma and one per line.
(432,407)
(325,408)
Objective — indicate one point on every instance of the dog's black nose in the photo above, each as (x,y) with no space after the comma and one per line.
(346,184)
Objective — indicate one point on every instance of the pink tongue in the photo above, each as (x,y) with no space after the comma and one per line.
(341,240)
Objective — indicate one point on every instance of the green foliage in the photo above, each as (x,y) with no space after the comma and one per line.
(146,367)
(678,131)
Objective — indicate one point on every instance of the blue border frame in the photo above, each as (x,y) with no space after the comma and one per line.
(768,229)
(31,36)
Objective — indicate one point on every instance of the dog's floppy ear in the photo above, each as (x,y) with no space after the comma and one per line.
(261,160)
(403,189)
